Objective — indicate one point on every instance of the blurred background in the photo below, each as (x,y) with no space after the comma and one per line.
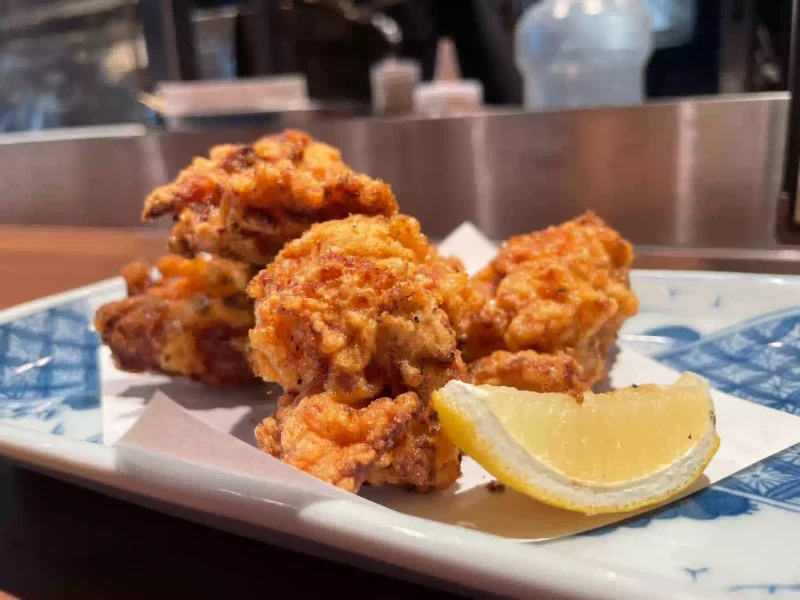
(687,135)
(103,100)
(181,64)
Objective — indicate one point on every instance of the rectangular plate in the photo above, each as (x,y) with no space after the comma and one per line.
(742,332)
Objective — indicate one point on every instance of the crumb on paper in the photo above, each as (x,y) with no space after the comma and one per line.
(495,487)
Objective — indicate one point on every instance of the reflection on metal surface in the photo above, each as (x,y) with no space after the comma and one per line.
(698,173)
(740,260)
(125,130)
(685,160)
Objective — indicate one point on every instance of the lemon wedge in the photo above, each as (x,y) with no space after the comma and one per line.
(617,451)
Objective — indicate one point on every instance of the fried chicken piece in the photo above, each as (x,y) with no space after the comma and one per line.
(424,460)
(529,370)
(191,320)
(565,288)
(361,307)
(354,310)
(245,202)
(336,442)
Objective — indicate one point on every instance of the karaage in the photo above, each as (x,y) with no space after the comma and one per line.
(245,202)
(191,319)
(528,370)
(563,289)
(355,310)
(362,307)
(424,459)
(336,442)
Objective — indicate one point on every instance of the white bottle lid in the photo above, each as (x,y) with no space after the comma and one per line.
(393,81)
(448,98)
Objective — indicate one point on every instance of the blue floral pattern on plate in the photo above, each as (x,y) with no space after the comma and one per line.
(49,365)
(758,360)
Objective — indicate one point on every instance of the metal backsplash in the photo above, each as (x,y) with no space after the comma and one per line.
(697,173)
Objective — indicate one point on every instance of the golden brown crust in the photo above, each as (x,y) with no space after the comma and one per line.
(246,201)
(529,370)
(353,310)
(357,307)
(336,442)
(425,459)
(565,288)
(192,321)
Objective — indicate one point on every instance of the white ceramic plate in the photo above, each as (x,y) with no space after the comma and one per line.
(61,398)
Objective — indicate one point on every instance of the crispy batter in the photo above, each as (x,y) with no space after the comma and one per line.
(192,320)
(424,460)
(353,310)
(245,201)
(529,370)
(334,441)
(565,288)
(359,307)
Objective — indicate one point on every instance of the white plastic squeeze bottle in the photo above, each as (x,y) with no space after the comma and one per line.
(574,53)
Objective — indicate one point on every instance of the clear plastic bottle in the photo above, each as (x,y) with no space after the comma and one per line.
(575,53)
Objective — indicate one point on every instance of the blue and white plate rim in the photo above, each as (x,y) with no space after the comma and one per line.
(78,460)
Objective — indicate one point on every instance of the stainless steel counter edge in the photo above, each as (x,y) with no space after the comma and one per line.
(700,173)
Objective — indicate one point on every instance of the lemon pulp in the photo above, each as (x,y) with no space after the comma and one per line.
(619,450)
(611,437)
